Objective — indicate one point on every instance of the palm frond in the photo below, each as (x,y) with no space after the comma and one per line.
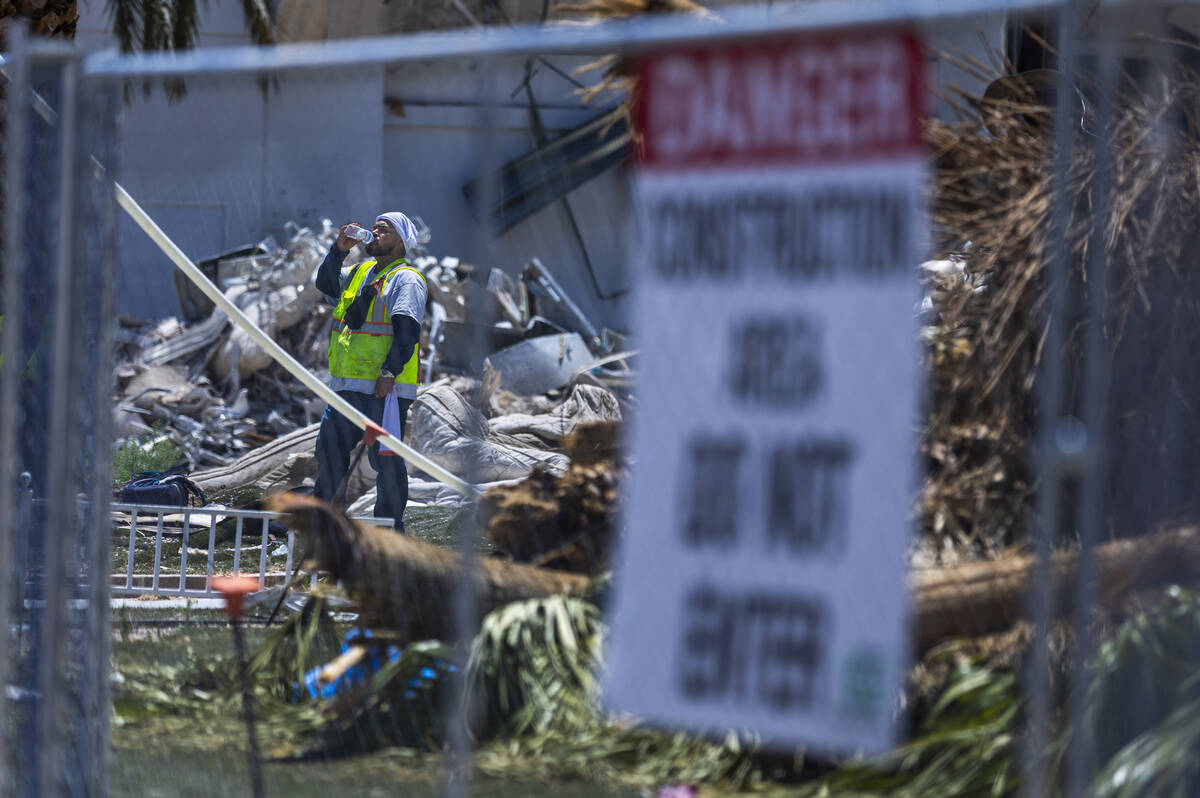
(533,668)
(258,21)
(966,746)
(154,25)
(187,24)
(306,639)
(125,15)
(157,24)
(1138,714)
(532,663)
(1159,762)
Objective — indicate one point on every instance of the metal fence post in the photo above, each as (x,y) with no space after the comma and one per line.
(1093,466)
(48,757)
(1053,436)
(11,577)
(102,101)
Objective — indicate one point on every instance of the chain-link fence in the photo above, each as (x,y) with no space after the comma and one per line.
(795,401)
(55,424)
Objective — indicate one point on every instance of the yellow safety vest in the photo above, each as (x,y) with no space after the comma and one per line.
(359,354)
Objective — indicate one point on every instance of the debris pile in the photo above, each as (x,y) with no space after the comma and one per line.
(249,427)
(201,382)
(993,208)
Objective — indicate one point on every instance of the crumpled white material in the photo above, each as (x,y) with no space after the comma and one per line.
(586,404)
(444,426)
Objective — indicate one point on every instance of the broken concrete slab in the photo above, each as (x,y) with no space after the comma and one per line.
(552,302)
(193,339)
(541,364)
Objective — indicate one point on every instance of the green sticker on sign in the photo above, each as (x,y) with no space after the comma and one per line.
(863,683)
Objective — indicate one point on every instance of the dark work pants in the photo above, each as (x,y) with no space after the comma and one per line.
(336,440)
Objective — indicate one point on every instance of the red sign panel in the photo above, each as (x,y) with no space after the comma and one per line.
(837,98)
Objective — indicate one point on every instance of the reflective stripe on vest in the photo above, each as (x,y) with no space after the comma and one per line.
(367,328)
(360,354)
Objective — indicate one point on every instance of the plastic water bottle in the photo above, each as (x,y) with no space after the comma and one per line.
(354,231)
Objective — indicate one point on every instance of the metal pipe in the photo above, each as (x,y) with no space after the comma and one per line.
(132,546)
(287,566)
(239,642)
(262,556)
(50,50)
(158,535)
(235,590)
(237,545)
(190,511)
(212,548)
(183,553)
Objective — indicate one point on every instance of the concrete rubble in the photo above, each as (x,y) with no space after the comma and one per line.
(510,368)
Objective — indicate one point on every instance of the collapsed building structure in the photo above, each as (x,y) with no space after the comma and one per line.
(206,386)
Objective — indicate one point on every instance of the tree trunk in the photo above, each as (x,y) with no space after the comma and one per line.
(987,597)
(406,585)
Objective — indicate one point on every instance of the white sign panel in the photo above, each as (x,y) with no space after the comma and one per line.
(761,581)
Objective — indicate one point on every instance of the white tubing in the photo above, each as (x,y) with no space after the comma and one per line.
(276,351)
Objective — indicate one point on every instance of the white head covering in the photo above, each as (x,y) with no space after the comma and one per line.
(402,225)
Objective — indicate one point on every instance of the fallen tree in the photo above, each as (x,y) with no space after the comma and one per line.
(981,598)
(407,586)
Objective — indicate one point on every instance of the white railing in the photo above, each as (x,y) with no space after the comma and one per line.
(164,519)
(252,535)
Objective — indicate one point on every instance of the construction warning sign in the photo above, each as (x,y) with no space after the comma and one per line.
(780,198)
